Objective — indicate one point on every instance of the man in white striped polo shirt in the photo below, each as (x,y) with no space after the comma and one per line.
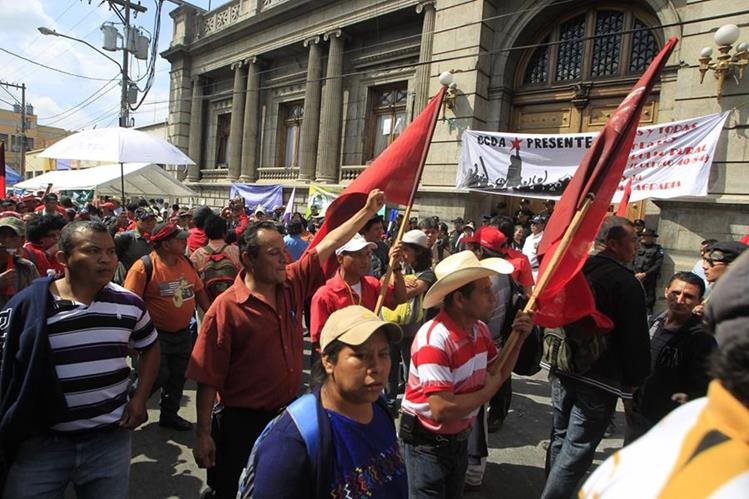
(453,373)
(65,417)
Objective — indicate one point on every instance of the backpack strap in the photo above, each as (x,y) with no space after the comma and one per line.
(303,412)
(148,266)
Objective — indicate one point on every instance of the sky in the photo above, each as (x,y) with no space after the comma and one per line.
(57,97)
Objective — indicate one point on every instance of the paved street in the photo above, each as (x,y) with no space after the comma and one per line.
(163,466)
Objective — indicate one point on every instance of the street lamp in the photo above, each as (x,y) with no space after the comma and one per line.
(124,111)
(726,64)
(47,31)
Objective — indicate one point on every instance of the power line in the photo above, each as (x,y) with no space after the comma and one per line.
(86,102)
(51,68)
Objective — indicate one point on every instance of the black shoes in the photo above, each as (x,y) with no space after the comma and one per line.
(175,422)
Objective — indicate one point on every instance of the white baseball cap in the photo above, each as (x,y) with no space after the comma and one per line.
(355,244)
(416,237)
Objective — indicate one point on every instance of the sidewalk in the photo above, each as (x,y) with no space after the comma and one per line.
(163,466)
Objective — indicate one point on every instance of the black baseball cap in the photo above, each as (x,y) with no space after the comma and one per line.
(725,251)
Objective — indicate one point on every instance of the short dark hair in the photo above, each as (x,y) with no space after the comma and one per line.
(318,376)
(40,227)
(464,290)
(506,225)
(201,215)
(132,206)
(690,278)
(375,219)
(423,257)
(729,364)
(249,242)
(708,242)
(215,227)
(294,227)
(427,223)
(613,228)
(66,243)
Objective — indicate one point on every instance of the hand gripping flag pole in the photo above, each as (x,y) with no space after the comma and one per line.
(562,295)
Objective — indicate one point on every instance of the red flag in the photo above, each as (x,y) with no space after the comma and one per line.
(622,210)
(567,297)
(394,171)
(2,168)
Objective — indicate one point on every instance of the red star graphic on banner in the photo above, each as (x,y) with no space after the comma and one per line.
(516,144)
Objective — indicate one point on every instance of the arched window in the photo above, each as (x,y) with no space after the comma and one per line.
(596,44)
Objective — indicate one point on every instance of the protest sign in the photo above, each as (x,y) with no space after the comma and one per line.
(667,160)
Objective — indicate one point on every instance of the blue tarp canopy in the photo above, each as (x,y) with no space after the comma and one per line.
(11,176)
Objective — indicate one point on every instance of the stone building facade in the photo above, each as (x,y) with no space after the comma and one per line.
(292,91)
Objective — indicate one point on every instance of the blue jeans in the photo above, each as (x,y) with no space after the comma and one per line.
(97,464)
(436,470)
(581,413)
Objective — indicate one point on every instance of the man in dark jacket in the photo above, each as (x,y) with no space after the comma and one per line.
(647,265)
(582,404)
(679,351)
(65,411)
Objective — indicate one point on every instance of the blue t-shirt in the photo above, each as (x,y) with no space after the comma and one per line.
(368,460)
(296,246)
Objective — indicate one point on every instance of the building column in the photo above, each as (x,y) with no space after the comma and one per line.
(235,127)
(194,149)
(311,121)
(251,114)
(423,71)
(330,122)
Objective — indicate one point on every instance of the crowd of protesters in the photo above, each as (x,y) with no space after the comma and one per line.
(400,403)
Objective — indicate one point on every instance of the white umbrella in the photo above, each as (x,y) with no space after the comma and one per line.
(117,145)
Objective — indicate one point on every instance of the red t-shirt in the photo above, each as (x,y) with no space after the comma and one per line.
(251,352)
(39,257)
(523,273)
(335,295)
(196,238)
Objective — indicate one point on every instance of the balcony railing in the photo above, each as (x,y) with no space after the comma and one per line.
(278,173)
(349,173)
(218,19)
(214,174)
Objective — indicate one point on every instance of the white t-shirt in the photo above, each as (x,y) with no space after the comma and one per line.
(530,248)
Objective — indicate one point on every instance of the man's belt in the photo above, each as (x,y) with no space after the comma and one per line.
(423,436)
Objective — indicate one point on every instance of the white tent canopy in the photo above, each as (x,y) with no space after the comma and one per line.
(141,179)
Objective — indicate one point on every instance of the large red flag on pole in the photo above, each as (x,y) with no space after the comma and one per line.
(396,171)
(621,211)
(563,294)
(2,168)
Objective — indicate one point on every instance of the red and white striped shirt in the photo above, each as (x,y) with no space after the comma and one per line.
(446,358)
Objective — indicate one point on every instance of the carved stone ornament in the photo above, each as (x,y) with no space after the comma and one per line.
(313,39)
(582,94)
(426,4)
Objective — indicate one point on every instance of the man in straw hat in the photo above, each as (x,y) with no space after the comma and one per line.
(453,373)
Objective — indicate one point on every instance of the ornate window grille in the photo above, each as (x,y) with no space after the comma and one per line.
(590,45)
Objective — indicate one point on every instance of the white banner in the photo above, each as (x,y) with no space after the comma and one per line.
(667,160)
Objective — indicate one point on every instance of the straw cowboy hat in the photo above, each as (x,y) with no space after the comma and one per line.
(459,269)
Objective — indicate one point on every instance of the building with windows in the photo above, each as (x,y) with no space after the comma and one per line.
(293,91)
(37,136)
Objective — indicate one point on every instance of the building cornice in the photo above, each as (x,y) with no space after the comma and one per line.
(281,14)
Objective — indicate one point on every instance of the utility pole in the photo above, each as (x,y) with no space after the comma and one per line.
(22,88)
(124,106)
(122,9)
(23,131)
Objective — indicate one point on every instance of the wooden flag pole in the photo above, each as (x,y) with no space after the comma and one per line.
(407,213)
(544,279)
